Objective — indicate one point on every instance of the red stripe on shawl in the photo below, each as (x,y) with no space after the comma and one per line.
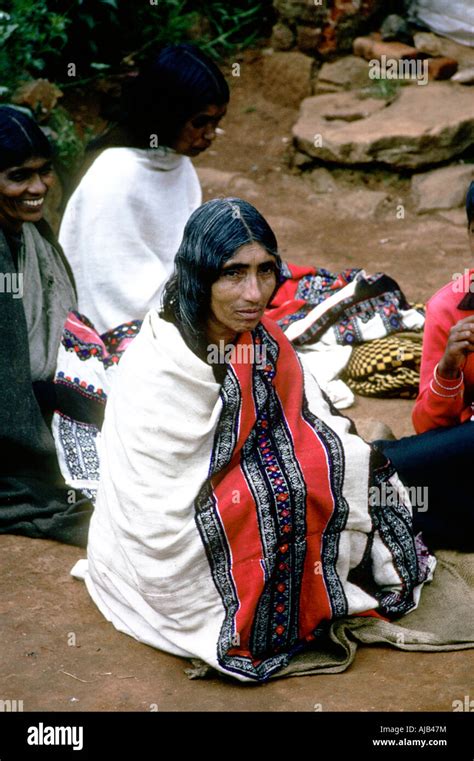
(312,459)
(240,518)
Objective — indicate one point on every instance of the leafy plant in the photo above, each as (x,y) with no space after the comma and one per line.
(238,23)
(41,38)
(69,146)
(383,89)
(217,27)
(29,33)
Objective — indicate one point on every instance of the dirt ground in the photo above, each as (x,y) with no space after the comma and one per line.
(58,653)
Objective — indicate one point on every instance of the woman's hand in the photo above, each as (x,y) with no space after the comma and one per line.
(460,343)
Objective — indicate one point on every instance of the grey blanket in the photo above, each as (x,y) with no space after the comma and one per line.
(444,620)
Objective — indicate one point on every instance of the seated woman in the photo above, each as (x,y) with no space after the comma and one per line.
(233,520)
(440,458)
(124,222)
(36,293)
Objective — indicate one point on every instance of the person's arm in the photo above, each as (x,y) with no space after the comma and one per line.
(440,400)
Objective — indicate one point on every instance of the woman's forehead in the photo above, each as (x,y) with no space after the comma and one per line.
(31,163)
(250,252)
(212,111)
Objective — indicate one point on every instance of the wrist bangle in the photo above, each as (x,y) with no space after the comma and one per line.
(448,388)
(446,396)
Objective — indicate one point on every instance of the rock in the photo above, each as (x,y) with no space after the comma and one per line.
(328,113)
(396,28)
(348,73)
(287,78)
(464,77)
(215,180)
(298,11)
(40,95)
(442,68)
(322,181)
(362,204)
(340,21)
(308,38)
(370,48)
(462,53)
(426,42)
(454,217)
(219,183)
(299,160)
(423,125)
(282,37)
(444,188)
(242,187)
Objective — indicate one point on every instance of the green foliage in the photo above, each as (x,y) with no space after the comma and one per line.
(383,89)
(29,32)
(217,27)
(69,146)
(166,22)
(238,23)
(40,38)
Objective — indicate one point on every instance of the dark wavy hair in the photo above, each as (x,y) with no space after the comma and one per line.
(20,138)
(470,204)
(212,235)
(173,86)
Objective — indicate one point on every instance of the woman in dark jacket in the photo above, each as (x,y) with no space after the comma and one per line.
(36,293)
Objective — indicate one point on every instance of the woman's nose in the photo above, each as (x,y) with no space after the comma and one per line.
(37,185)
(210,133)
(251,289)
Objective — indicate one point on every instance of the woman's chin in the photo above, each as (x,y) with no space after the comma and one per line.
(30,216)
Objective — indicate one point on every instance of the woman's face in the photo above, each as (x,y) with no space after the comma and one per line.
(22,192)
(241,293)
(199,131)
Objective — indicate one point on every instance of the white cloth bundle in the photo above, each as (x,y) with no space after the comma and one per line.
(454,19)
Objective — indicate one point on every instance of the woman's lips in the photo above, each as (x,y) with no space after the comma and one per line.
(34,204)
(250,314)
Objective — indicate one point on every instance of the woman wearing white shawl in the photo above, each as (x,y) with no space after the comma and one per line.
(124,222)
(233,521)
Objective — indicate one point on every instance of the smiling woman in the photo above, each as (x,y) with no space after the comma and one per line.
(124,223)
(36,293)
(23,190)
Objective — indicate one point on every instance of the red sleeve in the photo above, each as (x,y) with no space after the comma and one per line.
(436,405)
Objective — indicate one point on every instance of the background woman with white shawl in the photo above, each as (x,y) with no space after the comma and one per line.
(124,222)
(237,515)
